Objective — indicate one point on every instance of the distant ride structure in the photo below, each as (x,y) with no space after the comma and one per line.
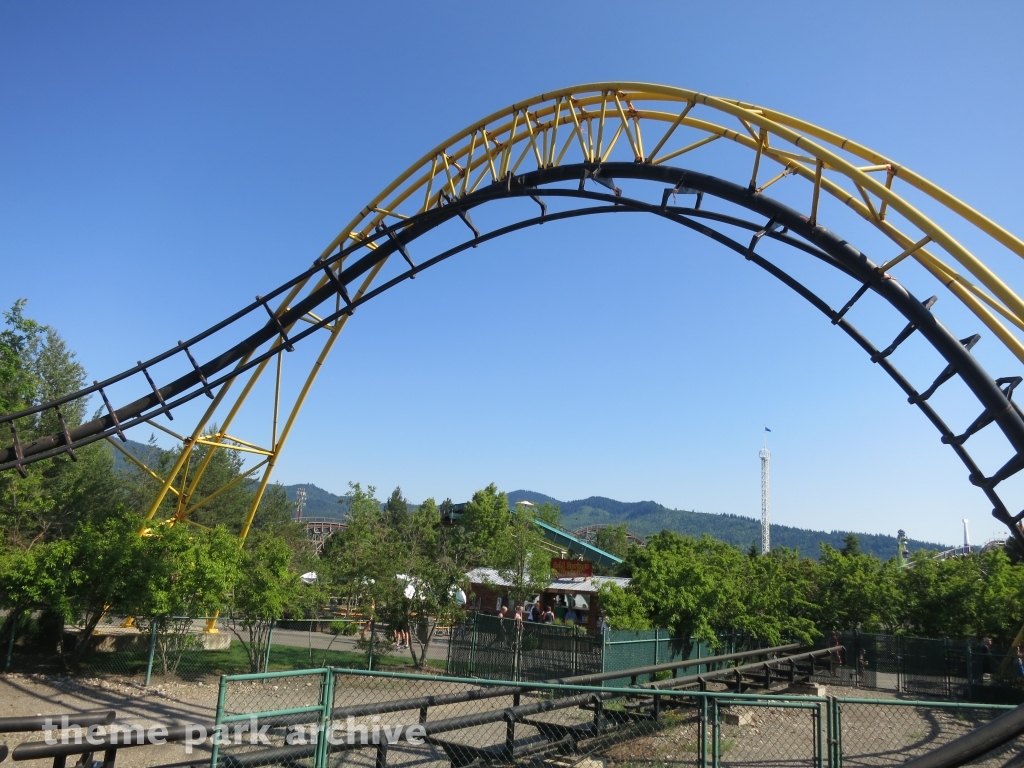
(594,150)
(766,518)
(902,548)
(903,553)
(319,529)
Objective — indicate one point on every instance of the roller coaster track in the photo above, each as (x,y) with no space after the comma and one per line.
(570,149)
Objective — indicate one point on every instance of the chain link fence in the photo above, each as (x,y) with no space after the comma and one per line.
(192,649)
(334,718)
(504,649)
(963,670)
(183,649)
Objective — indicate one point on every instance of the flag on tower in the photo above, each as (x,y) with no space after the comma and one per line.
(767,430)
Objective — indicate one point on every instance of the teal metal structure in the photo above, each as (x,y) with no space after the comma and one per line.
(567,541)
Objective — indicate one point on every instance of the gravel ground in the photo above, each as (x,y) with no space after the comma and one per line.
(872,734)
(170,704)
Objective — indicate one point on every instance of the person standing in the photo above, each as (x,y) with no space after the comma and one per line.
(570,616)
(549,616)
(837,654)
(985,651)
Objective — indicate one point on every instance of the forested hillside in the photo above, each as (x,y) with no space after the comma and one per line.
(645,518)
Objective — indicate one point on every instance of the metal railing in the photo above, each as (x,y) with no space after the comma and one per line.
(465,721)
(314,718)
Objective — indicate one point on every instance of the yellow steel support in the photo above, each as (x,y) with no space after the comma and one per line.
(469,163)
(132,458)
(762,142)
(225,487)
(533,139)
(773,179)
(162,428)
(600,128)
(299,401)
(672,129)
(906,252)
(634,145)
(868,203)
(817,193)
(242,448)
(889,176)
(684,150)
(550,159)
(612,143)
(277,396)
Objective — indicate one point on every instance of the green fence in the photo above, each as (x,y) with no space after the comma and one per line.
(491,647)
(497,648)
(504,649)
(180,649)
(352,717)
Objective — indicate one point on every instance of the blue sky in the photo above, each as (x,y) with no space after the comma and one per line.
(160,164)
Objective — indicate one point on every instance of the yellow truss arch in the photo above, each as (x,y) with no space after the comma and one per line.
(589,124)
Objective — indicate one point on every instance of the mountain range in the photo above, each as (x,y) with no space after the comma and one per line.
(643,518)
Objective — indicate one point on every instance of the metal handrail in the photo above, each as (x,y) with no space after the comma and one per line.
(47,722)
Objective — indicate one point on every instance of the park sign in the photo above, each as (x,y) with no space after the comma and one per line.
(572,569)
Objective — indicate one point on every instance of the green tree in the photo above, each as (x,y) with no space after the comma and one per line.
(396,509)
(44,576)
(402,568)
(267,589)
(18,385)
(177,574)
(688,585)
(522,558)
(355,559)
(428,570)
(108,569)
(59,493)
(624,608)
(548,513)
(274,516)
(486,520)
(613,539)
(776,598)
(1000,597)
(699,587)
(851,544)
(848,591)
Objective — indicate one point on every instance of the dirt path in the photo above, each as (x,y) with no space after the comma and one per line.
(166,704)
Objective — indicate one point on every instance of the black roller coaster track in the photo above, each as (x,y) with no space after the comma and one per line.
(780,223)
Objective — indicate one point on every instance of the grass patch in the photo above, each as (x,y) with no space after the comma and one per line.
(200,664)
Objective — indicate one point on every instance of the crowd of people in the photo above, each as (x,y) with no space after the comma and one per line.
(540,614)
